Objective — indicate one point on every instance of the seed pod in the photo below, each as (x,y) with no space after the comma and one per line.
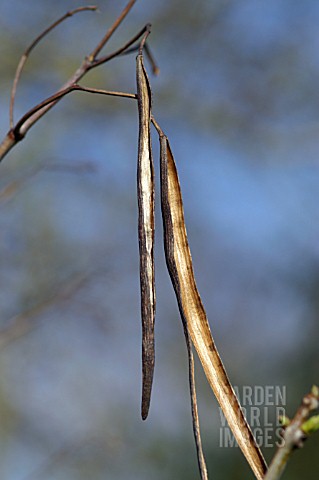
(179,263)
(145,195)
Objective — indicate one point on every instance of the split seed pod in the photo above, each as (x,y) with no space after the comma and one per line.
(145,194)
(179,264)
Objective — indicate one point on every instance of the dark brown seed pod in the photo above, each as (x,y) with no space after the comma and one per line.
(145,195)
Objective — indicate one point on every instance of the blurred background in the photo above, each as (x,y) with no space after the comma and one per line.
(237,96)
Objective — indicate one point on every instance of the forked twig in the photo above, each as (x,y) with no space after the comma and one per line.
(122,50)
(91,61)
(27,52)
(57,96)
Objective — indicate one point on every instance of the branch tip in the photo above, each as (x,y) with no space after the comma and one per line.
(112,29)
(29,49)
(148,28)
(155,68)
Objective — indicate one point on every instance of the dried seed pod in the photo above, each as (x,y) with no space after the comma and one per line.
(179,263)
(145,194)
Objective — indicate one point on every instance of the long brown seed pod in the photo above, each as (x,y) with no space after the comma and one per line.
(145,194)
(179,263)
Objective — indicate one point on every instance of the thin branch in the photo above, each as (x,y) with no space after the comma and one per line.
(58,96)
(27,52)
(155,67)
(24,124)
(112,29)
(195,419)
(100,91)
(17,130)
(30,118)
(120,51)
(7,143)
(293,436)
(146,34)
(156,125)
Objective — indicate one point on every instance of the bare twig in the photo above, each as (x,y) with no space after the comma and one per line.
(144,38)
(112,29)
(27,52)
(120,51)
(57,96)
(101,91)
(293,435)
(195,419)
(155,67)
(30,118)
